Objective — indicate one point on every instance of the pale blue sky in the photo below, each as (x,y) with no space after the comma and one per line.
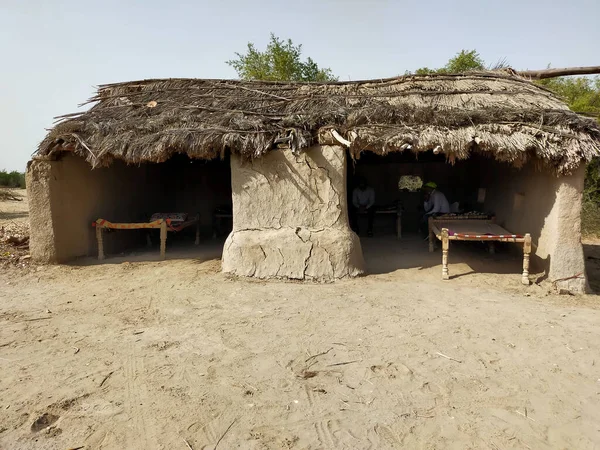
(55,51)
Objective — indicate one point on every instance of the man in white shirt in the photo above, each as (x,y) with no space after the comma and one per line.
(435,201)
(363,200)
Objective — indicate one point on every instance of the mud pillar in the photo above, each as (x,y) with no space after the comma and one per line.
(561,235)
(290,218)
(41,240)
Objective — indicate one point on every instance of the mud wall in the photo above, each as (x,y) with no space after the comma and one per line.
(290,217)
(535,201)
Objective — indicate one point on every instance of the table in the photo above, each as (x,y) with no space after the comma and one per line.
(387,212)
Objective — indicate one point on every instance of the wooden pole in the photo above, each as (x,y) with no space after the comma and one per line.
(163,239)
(526,254)
(431,235)
(100,240)
(445,247)
(553,73)
(197,241)
(399,223)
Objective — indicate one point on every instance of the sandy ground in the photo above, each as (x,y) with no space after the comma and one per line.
(174,355)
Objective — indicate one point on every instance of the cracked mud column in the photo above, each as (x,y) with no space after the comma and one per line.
(290,218)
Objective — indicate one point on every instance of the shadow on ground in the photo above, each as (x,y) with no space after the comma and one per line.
(13,215)
(591,251)
(386,254)
(208,250)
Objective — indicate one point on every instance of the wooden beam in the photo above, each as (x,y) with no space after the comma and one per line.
(553,73)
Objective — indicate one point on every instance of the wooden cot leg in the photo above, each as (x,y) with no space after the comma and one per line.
(492,247)
(100,239)
(148,239)
(197,241)
(431,235)
(399,226)
(163,239)
(445,247)
(526,254)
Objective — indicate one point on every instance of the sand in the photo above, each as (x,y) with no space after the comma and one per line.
(175,355)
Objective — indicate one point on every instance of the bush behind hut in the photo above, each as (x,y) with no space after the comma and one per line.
(12,179)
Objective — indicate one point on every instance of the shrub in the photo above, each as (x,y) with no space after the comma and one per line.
(12,179)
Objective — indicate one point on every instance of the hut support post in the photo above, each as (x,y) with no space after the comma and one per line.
(526,253)
(100,239)
(431,235)
(197,241)
(399,225)
(445,247)
(274,235)
(163,239)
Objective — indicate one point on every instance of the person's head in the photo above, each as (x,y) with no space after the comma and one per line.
(362,183)
(429,187)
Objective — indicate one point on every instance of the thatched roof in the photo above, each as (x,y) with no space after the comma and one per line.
(496,113)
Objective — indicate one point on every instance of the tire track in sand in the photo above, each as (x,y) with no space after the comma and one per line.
(143,434)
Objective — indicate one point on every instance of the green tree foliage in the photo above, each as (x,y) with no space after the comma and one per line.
(281,61)
(12,179)
(582,94)
(463,61)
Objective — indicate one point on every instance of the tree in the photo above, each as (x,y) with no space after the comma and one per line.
(582,94)
(463,61)
(281,61)
(12,179)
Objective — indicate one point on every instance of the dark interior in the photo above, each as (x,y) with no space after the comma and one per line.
(459,182)
(178,185)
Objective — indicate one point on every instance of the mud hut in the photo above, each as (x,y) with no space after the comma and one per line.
(288,147)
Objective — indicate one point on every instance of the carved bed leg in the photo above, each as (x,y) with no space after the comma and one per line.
(526,254)
(445,247)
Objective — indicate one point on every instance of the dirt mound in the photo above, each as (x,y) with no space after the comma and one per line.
(14,244)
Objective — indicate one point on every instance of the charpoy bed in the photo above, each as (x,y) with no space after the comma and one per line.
(448,228)
(163,221)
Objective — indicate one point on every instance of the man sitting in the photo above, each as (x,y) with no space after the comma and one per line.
(363,200)
(435,203)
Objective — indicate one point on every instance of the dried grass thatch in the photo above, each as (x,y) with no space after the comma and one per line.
(492,112)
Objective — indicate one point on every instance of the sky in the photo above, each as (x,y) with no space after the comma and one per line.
(55,52)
